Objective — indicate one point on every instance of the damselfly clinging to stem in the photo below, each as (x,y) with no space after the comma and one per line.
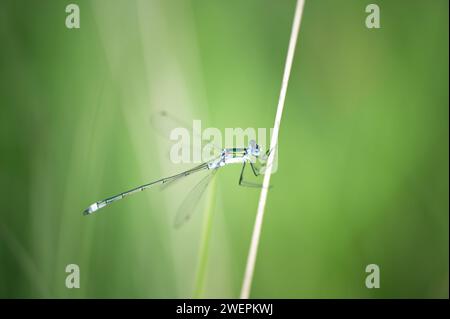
(246,155)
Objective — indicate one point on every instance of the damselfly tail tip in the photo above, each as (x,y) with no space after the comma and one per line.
(90,209)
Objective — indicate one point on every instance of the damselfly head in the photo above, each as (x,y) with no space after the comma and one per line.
(253,148)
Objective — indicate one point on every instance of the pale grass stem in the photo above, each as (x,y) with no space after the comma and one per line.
(251,259)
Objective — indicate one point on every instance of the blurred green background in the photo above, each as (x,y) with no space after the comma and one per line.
(363,152)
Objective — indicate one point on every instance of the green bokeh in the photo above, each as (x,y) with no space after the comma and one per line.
(363,152)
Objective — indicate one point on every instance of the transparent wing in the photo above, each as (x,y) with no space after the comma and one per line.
(164,122)
(190,203)
(169,181)
(172,181)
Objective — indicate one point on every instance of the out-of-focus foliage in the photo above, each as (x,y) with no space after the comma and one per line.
(363,152)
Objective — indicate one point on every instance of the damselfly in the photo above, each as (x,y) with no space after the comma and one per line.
(246,155)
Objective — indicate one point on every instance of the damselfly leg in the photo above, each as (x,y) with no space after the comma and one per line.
(256,169)
(245,183)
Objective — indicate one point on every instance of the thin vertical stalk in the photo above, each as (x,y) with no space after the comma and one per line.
(251,259)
